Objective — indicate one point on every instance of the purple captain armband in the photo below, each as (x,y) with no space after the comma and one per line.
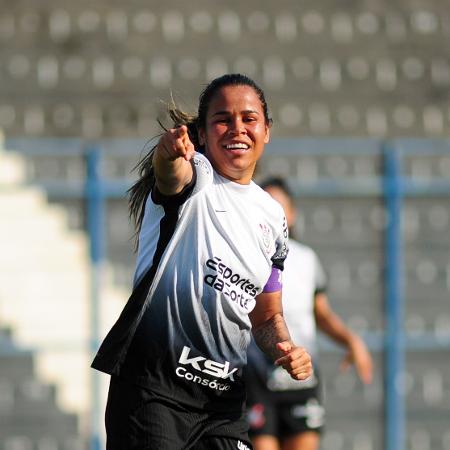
(274,282)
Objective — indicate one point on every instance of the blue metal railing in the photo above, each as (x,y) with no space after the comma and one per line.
(394,305)
(391,185)
(95,199)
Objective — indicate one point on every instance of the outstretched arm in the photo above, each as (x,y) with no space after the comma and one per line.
(330,323)
(171,161)
(272,336)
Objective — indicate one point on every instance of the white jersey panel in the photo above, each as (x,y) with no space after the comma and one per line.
(223,246)
(303,276)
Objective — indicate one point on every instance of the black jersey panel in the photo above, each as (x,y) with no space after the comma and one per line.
(113,350)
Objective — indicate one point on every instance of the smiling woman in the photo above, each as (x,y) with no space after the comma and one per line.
(211,248)
(235,132)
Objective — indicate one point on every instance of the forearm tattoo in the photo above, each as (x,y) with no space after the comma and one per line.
(271,333)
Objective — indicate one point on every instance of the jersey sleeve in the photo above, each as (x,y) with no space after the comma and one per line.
(320,278)
(274,283)
(281,246)
(204,172)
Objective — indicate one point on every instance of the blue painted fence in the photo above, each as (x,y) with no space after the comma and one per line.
(392,186)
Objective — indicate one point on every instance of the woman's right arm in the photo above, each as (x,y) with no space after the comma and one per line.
(171,161)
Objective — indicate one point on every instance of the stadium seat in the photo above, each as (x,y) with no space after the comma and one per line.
(348,70)
(30,418)
(297,75)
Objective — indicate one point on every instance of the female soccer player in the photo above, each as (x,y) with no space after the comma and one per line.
(284,414)
(211,246)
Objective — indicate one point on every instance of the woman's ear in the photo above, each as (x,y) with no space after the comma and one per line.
(267,136)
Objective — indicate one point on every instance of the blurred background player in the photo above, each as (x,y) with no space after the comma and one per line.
(284,413)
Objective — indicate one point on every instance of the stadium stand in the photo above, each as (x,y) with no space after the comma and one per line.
(44,298)
(30,417)
(96,70)
(352,69)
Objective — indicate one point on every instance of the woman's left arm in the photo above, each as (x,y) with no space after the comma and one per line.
(332,325)
(272,336)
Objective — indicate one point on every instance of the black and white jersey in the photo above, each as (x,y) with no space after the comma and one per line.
(204,255)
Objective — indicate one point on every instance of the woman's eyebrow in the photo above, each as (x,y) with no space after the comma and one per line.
(246,111)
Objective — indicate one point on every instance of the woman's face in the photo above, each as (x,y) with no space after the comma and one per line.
(235,132)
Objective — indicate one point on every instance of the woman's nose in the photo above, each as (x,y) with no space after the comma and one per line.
(236,126)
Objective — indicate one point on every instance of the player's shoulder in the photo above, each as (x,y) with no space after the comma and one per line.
(202,164)
(267,200)
(273,211)
(204,171)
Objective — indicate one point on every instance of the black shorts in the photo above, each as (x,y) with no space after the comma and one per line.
(284,413)
(137,419)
